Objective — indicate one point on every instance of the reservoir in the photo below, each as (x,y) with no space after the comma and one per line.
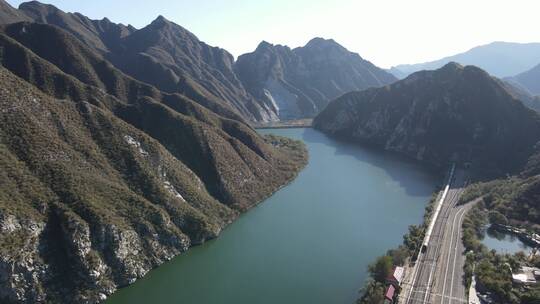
(311,242)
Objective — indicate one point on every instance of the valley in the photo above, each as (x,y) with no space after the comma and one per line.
(143,163)
(301,246)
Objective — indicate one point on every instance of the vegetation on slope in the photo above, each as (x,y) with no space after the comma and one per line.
(105,177)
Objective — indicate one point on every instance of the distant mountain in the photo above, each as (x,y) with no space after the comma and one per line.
(104,177)
(500,59)
(529,80)
(454,113)
(397,73)
(300,82)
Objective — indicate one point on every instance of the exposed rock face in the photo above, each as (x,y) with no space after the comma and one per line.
(104,177)
(452,114)
(299,83)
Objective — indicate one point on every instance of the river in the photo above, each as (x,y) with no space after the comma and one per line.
(311,242)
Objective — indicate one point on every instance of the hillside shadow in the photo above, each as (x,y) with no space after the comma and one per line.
(398,167)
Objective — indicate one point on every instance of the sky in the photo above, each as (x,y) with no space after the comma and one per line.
(385,32)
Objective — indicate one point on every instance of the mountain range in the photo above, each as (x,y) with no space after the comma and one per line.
(500,59)
(105,177)
(173,59)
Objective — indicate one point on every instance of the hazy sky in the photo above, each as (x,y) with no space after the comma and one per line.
(386,32)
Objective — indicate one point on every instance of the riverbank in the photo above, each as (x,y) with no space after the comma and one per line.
(527,237)
(285,124)
(493,270)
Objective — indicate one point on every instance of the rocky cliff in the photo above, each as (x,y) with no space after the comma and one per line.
(300,82)
(455,113)
(104,177)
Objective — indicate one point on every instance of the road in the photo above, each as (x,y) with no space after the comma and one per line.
(437,275)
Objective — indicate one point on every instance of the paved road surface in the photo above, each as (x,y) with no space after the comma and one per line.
(437,277)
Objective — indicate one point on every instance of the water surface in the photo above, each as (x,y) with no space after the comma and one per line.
(504,242)
(311,242)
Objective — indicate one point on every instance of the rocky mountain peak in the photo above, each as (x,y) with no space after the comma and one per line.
(264,45)
(318,41)
(160,21)
(452,66)
(36,8)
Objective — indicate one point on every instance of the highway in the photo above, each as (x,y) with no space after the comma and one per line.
(438,274)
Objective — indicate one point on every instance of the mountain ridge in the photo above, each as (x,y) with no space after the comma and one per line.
(529,80)
(501,59)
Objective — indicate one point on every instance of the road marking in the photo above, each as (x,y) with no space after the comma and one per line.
(438,248)
(455,255)
(449,252)
(453,195)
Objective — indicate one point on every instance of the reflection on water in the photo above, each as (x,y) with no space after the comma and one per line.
(504,242)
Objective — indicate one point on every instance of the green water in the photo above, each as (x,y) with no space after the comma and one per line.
(310,242)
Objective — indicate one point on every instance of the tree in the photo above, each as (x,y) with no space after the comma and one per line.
(495,217)
(382,268)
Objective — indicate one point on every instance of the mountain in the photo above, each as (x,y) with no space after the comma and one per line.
(300,82)
(501,59)
(530,80)
(162,54)
(104,177)
(10,15)
(521,93)
(101,35)
(454,113)
(272,83)
(397,72)
(169,57)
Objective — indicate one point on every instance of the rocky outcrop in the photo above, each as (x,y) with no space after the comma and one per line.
(300,82)
(455,113)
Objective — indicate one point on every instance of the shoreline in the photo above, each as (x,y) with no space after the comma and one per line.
(240,212)
(284,124)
